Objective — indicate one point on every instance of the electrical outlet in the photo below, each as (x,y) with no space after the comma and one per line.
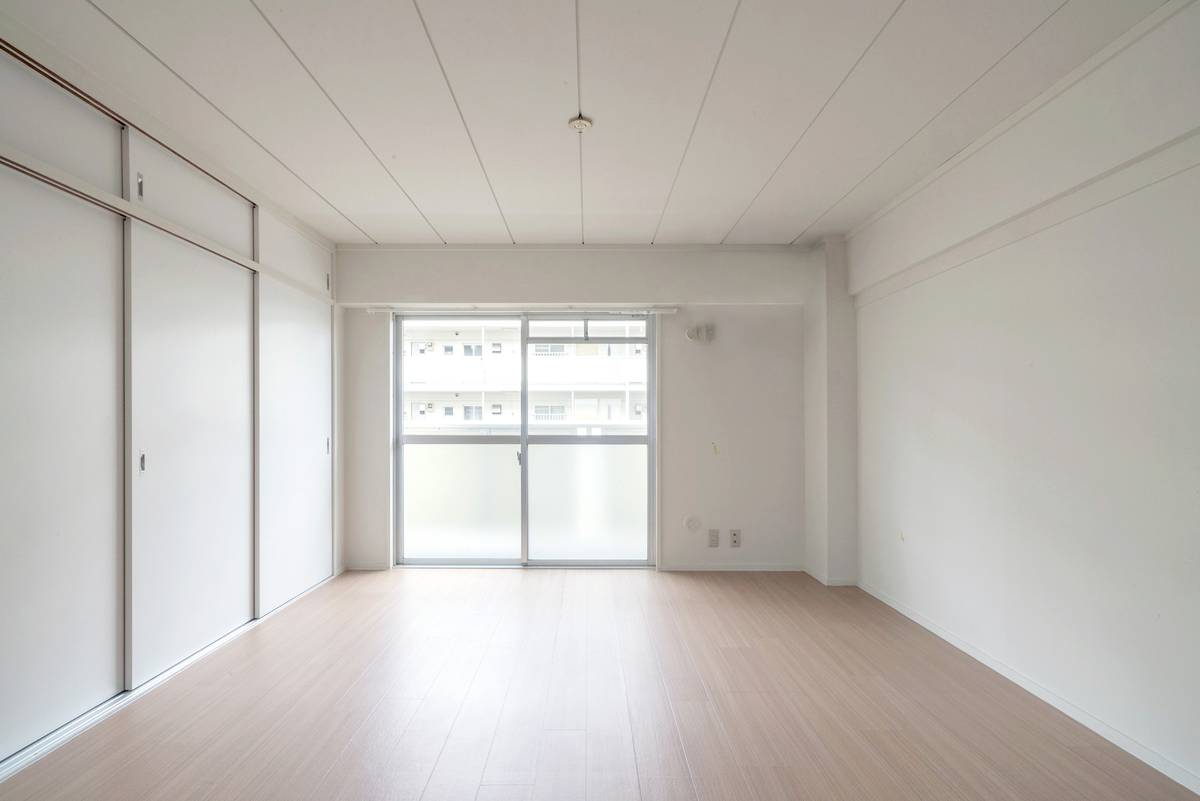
(735,538)
(714,538)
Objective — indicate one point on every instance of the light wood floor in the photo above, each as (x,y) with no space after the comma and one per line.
(553,684)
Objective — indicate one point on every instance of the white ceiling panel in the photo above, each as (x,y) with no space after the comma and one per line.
(644,67)
(512,67)
(230,55)
(929,53)
(422,121)
(783,60)
(1072,35)
(375,61)
(111,66)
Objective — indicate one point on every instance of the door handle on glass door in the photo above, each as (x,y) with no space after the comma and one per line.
(518,459)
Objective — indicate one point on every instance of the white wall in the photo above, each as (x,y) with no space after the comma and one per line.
(731,437)
(366,391)
(742,392)
(1030,459)
(1029,454)
(558,275)
(830,419)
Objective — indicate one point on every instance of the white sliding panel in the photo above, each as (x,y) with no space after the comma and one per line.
(181,193)
(295,426)
(61,461)
(191,538)
(47,122)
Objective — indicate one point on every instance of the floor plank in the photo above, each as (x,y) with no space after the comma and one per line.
(619,685)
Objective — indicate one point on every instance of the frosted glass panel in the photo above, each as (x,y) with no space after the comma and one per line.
(588,502)
(462,502)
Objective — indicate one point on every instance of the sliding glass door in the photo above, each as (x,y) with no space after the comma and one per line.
(588,412)
(525,439)
(460,424)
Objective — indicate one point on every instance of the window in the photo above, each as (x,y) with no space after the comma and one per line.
(619,328)
(556,328)
(549,349)
(559,389)
(548,412)
(419,348)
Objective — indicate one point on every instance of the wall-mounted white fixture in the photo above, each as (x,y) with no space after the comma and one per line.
(701,333)
(580,123)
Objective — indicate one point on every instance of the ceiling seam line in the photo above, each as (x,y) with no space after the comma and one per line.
(816,117)
(931,120)
(578,64)
(696,122)
(345,118)
(229,119)
(462,118)
(579,104)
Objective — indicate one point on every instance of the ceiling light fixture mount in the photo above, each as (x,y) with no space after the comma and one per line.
(580,123)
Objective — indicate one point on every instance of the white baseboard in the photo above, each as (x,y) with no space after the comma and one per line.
(1118,738)
(758,567)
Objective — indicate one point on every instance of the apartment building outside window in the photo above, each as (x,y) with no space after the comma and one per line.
(545,412)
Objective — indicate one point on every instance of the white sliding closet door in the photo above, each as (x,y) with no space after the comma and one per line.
(295,475)
(191,368)
(60,463)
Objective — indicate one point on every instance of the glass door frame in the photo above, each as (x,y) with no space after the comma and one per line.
(525,439)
